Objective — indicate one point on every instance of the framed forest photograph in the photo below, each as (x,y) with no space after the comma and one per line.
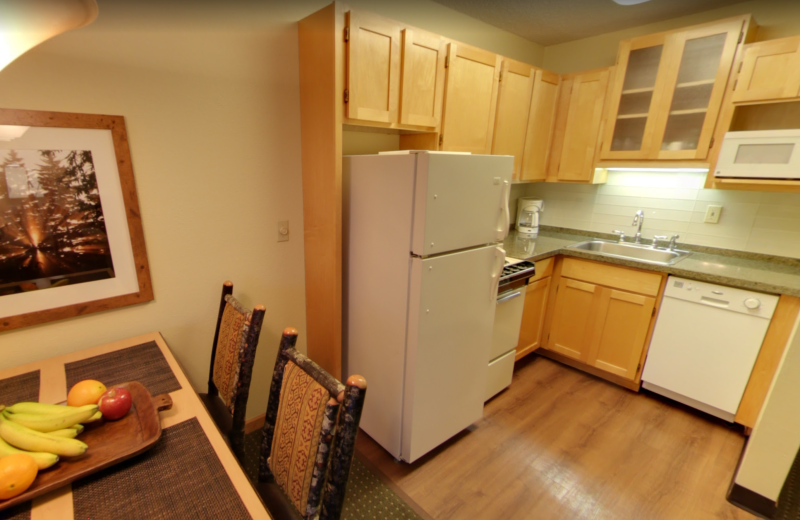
(71,239)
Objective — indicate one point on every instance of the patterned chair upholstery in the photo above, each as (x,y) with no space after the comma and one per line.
(232,357)
(309,437)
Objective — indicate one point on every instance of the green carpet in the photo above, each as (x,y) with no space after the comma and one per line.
(368,496)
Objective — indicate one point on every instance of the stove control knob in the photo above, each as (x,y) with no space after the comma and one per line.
(752,303)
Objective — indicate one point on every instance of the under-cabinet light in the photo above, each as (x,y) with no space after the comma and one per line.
(682,170)
(24,24)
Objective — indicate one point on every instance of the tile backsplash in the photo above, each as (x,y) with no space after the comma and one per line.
(762,222)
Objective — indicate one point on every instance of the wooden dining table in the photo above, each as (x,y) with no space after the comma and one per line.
(187,408)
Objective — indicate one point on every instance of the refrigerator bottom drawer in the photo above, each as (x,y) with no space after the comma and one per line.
(500,372)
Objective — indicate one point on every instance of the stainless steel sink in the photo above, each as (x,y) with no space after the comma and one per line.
(639,252)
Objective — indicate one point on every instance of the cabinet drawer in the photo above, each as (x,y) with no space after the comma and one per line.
(501,370)
(612,276)
(544,268)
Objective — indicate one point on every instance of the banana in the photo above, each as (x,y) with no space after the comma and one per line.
(52,422)
(69,433)
(43,460)
(96,417)
(40,408)
(78,429)
(31,440)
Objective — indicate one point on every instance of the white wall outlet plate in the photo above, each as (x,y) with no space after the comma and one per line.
(712,214)
(283,230)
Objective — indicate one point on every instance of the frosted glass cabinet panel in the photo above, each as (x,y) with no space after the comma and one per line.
(636,98)
(668,90)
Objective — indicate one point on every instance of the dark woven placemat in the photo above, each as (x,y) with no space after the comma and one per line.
(144,363)
(24,387)
(180,477)
(19,512)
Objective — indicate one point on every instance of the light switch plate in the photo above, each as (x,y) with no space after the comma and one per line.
(712,214)
(283,231)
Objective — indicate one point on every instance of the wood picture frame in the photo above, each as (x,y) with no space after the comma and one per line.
(117,206)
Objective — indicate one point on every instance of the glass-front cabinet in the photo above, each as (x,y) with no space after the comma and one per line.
(668,90)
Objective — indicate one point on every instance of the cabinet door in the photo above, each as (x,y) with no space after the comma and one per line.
(770,71)
(422,79)
(635,98)
(530,332)
(540,126)
(623,320)
(513,107)
(373,67)
(574,318)
(698,66)
(470,99)
(583,113)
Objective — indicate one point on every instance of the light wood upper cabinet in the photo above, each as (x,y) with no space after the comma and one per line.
(470,99)
(513,107)
(577,128)
(539,133)
(373,67)
(623,320)
(668,91)
(422,84)
(770,71)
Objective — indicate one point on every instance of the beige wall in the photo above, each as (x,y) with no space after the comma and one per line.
(213,122)
(774,443)
(211,100)
(776,19)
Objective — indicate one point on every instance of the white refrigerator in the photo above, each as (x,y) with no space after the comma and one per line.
(422,260)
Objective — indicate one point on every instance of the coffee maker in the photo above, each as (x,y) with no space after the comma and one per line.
(528,216)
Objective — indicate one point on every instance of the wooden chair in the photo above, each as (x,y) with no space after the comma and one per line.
(232,356)
(309,437)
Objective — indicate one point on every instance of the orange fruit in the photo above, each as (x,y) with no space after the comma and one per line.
(17,472)
(86,392)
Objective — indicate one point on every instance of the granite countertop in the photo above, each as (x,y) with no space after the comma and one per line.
(757,272)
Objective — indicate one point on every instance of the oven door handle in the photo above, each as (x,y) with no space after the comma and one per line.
(509,297)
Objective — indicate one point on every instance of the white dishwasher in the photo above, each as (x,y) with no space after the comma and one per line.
(705,343)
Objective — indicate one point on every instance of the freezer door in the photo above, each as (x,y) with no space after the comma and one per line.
(451,314)
(460,201)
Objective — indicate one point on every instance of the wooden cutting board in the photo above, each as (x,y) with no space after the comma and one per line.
(110,442)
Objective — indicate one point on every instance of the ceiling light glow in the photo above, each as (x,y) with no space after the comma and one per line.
(24,24)
(630,2)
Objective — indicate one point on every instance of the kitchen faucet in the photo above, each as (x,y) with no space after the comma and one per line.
(638,219)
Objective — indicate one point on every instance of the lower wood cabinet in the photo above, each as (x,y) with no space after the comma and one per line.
(603,321)
(530,333)
(620,329)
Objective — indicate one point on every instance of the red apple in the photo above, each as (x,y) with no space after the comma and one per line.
(115,403)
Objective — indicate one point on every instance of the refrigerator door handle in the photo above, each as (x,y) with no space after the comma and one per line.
(502,232)
(499,262)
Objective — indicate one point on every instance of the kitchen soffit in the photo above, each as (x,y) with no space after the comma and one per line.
(549,22)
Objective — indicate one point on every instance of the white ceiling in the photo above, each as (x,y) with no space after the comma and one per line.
(556,21)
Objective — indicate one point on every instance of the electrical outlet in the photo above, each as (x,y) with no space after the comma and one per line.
(712,214)
(283,231)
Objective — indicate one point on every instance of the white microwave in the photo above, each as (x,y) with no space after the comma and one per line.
(762,154)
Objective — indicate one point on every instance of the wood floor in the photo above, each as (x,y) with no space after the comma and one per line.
(560,444)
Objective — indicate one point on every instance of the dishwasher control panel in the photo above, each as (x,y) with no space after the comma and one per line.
(722,297)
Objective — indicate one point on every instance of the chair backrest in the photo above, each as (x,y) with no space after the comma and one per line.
(307,447)
(232,357)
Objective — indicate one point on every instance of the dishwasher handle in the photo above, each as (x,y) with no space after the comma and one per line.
(714,302)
